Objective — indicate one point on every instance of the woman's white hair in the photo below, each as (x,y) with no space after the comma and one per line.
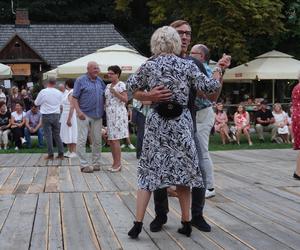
(165,40)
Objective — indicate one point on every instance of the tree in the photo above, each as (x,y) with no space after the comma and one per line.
(225,25)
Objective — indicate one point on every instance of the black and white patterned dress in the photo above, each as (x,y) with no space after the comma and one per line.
(169,155)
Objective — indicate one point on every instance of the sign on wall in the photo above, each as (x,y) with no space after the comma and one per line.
(21,69)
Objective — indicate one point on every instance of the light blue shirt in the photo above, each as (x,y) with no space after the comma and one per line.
(90,95)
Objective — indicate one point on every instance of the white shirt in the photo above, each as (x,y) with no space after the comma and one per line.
(49,100)
(3,97)
(18,117)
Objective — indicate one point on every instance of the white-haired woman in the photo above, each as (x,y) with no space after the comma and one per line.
(169,156)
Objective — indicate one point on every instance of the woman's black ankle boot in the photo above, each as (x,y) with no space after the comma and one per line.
(136,229)
(186,228)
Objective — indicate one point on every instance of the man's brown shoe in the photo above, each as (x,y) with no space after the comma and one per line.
(49,158)
(88,169)
(60,157)
(97,168)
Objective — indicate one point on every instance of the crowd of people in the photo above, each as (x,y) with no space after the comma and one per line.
(264,119)
(174,94)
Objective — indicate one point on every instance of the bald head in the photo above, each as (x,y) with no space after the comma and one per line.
(93,69)
(200,52)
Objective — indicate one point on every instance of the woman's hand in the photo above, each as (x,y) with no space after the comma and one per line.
(112,90)
(69,123)
(81,116)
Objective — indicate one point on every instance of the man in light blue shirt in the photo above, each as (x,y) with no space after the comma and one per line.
(205,119)
(88,100)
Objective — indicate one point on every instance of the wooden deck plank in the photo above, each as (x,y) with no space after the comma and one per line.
(77,228)
(262,210)
(39,239)
(256,206)
(121,220)
(55,237)
(16,232)
(93,182)
(25,180)
(6,202)
(4,173)
(12,181)
(166,239)
(105,181)
(274,230)
(243,231)
(101,224)
(52,180)
(79,182)
(65,183)
(39,181)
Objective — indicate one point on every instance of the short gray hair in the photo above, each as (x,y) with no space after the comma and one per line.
(165,40)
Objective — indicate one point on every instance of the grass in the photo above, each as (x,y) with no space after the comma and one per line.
(215,145)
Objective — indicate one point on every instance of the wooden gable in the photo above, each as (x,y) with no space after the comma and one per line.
(18,51)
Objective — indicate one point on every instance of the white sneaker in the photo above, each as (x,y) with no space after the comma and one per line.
(5,148)
(23,140)
(209,194)
(0,148)
(16,148)
(131,146)
(123,146)
(72,155)
(67,155)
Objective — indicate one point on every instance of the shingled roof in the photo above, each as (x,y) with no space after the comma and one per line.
(62,43)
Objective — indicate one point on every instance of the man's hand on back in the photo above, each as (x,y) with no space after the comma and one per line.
(159,94)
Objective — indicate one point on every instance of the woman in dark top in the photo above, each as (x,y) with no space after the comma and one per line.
(5,123)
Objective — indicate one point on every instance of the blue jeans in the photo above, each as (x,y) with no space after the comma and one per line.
(39,133)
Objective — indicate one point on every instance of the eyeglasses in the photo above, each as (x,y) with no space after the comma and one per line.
(196,53)
(182,32)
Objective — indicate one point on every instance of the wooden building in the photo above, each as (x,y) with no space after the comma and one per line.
(31,49)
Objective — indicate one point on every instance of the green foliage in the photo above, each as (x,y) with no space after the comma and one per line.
(243,28)
(225,25)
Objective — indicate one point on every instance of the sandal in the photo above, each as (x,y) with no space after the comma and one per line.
(113,170)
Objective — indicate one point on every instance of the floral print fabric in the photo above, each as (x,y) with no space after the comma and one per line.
(169,155)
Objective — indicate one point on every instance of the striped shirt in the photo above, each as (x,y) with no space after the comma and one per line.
(90,95)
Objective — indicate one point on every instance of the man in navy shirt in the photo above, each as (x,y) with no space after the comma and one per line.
(88,100)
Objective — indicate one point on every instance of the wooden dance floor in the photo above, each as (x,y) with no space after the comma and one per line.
(52,205)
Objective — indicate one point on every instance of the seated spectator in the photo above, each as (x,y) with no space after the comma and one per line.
(17,125)
(5,123)
(15,97)
(281,122)
(2,96)
(33,126)
(242,124)
(265,122)
(26,100)
(221,121)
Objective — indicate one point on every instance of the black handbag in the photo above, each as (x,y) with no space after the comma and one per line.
(169,110)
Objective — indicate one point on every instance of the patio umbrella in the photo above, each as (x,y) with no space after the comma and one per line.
(5,71)
(127,59)
(273,65)
(50,73)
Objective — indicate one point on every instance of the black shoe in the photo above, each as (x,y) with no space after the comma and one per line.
(186,228)
(296,176)
(157,223)
(199,223)
(135,230)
